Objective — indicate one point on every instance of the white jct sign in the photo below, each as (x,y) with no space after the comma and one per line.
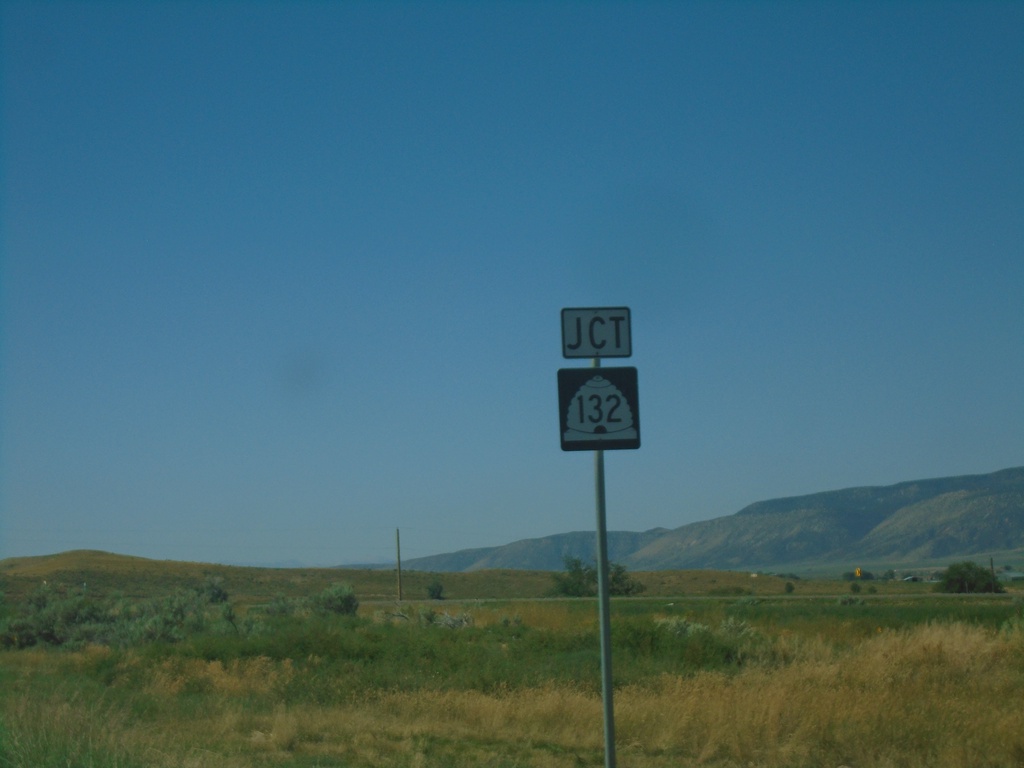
(596,332)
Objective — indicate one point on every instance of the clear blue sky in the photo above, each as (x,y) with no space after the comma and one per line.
(280,278)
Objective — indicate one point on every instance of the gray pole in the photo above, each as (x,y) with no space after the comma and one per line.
(604,608)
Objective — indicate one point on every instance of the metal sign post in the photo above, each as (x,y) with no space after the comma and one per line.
(604,605)
(599,412)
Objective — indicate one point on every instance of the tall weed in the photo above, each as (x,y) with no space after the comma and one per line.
(54,731)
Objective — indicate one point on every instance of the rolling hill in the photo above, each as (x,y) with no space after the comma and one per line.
(914,522)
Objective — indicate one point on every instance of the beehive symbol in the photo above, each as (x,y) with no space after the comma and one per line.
(599,411)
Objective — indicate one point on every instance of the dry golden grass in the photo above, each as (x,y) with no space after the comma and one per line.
(938,695)
(933,696)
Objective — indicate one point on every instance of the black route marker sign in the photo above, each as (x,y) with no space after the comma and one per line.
(599,409)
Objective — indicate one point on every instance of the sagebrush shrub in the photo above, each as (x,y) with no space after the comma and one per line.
(337,599)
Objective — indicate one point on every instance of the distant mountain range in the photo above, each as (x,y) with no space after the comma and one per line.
(916,522)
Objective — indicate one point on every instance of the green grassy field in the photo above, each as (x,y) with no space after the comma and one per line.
(105,574)
(710,668)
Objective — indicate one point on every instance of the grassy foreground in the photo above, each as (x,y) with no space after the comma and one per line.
(716,680)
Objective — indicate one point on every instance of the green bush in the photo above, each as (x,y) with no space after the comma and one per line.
(72,619)
(621,583)
(637,637)
(336,599)
(681,627)
(55,617)
(435,590)
(280,605)
(580,579)
(213,590)
(968,577)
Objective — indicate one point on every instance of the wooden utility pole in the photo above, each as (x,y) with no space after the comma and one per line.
(398,557)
